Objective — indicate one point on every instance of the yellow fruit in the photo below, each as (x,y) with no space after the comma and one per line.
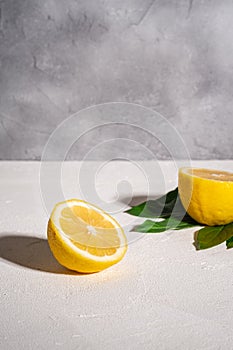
(207,195)
(84,238)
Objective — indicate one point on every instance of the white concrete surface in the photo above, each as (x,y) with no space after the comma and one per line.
(163,295)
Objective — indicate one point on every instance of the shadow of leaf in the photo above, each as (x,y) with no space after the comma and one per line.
(30,252)
(195,240)
(136,200)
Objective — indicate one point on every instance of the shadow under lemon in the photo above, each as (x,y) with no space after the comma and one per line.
(30,252)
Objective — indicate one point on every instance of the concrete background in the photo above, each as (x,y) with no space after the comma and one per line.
(57,57)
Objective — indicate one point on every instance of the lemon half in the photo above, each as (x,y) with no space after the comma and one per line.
(84,238)
(207,195)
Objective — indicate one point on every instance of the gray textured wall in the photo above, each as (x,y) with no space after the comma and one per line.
(57,57)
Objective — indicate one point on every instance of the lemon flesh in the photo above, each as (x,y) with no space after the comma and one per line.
(207,195)
(84,238)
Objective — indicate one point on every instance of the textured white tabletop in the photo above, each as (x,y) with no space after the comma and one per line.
(163,295)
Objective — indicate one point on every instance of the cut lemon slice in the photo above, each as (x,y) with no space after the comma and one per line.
(207,195)
(84,238)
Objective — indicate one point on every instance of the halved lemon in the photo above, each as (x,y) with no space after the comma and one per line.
(207,195)
(84,238)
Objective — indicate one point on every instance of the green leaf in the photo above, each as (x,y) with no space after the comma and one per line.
(170,208)
(165,207)
(150,226)
(229,243)
(159,208)
(211,236)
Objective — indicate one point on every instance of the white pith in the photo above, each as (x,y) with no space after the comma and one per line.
(216,174)
(56,214)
